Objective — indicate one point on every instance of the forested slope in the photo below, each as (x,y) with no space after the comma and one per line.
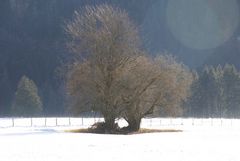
(32,43)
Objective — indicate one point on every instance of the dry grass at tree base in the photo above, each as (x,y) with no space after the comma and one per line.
(141,131)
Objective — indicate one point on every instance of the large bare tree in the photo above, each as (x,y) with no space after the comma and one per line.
(113,76)
(105,40)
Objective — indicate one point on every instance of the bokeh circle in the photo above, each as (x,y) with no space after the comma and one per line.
(202,24)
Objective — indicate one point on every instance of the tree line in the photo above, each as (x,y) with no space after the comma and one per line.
(215,92)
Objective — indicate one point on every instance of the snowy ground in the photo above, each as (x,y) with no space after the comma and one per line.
(201,140)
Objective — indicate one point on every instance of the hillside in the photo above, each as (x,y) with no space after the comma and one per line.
(32,40)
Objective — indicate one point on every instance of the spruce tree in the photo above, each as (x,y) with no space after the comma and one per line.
(27,102)
(231,86)
(206,93)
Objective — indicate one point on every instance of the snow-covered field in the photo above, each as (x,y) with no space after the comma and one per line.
(201,140)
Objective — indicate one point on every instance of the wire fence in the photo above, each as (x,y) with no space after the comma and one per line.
(86,122)
(47,122)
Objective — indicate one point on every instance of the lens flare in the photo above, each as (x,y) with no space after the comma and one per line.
(202,24)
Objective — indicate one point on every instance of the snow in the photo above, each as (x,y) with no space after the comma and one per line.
(201,140)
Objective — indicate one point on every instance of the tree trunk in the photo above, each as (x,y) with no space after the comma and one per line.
(134,124)
(110,123)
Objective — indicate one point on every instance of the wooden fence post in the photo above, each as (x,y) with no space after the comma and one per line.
(45,121)
(31,121)
(13,122)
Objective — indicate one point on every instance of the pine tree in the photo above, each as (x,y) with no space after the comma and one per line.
(231,86)
(27,102)
(206,93)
